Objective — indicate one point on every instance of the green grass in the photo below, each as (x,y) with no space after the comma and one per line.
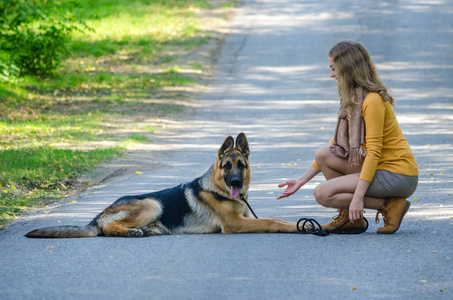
(150,129)
(137,138)
(38,175)
(129,63)
(142,29)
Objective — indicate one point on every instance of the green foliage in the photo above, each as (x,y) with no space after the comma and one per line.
(33,35)
(8,72)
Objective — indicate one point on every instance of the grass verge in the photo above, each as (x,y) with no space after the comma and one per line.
(39,175)
(142,60)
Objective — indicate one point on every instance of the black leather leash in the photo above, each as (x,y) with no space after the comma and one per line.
(248,205)
(315,228)
(311,226)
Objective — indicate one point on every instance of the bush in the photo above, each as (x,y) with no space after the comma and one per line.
(8,72)
(33,34)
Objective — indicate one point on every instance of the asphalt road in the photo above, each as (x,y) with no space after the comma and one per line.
(273,83)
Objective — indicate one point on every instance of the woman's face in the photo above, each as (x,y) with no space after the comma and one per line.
(333,74)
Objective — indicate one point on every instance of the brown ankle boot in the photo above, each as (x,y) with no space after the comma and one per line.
(393,212)
(359,226)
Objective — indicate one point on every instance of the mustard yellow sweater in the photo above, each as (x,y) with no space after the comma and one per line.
(386,147)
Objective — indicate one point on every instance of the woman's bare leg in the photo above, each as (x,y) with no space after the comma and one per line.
(338,192)
(341,183)
(333,166)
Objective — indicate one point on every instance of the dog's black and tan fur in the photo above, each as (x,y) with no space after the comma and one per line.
(210,204)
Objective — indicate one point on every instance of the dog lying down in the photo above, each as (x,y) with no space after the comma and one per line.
(212,203)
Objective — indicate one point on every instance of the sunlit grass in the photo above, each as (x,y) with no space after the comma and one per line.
(138,27)
(37,175)
(47,130)
(131,54)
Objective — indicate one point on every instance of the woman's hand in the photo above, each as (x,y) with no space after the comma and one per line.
(356,209)
(292,186)
(356,205)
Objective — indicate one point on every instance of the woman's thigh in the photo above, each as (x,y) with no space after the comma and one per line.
(325,158)
(338,185)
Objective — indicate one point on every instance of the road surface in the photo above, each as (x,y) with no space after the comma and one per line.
(273,83)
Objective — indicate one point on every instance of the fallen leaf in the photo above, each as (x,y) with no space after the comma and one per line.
(72,201)
(414,198)
(138,172)
(423,281)
(353,288)
(434,251)
(443,290)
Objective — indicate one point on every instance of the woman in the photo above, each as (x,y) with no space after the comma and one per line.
(368,163)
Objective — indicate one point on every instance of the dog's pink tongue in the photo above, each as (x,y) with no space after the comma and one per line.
(234,191)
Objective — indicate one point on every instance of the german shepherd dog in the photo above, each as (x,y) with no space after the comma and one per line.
(212,203)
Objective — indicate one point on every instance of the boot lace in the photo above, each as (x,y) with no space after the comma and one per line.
(383,212)
(343,214)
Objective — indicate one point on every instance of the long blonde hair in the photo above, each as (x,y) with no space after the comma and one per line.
(354,68)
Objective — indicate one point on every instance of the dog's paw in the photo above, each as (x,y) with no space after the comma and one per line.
(309,227)
(146,231)
(140,232)
(135,233)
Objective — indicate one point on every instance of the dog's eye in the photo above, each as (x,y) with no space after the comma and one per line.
(240,165)
(227,166)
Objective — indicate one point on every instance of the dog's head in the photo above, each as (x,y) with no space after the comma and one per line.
(232,167)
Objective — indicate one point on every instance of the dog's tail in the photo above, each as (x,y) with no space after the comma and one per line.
(64,232)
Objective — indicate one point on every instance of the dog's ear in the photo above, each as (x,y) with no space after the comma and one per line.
(226,147)
(243,145)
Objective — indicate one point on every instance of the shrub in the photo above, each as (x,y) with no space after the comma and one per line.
(33,34)
(8,72)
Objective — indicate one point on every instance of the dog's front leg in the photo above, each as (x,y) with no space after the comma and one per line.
(248,225)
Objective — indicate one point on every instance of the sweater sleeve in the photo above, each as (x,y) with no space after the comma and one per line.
(373,111)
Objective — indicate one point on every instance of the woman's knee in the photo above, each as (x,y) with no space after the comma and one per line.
(322,154)
(321,195)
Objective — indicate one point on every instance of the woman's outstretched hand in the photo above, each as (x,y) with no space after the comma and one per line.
(292,186)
